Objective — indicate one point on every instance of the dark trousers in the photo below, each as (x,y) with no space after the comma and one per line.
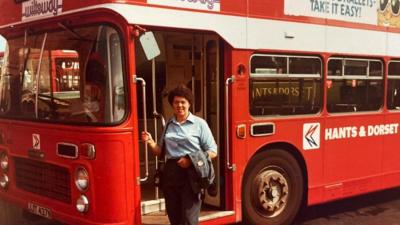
(182,204)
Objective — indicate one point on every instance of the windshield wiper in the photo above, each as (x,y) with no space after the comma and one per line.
(75,34)
(26,55)
(38,76)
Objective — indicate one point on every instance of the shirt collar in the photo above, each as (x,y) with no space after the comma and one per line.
(191,118)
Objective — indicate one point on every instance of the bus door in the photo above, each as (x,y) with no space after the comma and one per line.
(192,60)
(212,103)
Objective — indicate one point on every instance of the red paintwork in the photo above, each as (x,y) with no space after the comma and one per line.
(19,135)
(337,162)
(115,194)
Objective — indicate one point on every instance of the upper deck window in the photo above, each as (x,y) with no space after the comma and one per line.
(354,85)
(64,76)
(285,85)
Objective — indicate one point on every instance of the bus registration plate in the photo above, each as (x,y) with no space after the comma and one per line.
(39,210)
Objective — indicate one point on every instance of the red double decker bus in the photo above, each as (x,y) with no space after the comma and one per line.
(301,96)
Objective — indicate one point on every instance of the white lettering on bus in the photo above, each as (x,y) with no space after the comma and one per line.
(213,5)
(209,3)
(377,130)
(340,133)
(336,133)
(41,7)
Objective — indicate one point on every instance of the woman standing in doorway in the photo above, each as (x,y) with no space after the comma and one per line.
(185,134)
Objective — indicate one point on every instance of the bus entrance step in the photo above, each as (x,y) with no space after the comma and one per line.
(152,206)
(160,218)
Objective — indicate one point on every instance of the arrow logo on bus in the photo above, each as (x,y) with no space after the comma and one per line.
(36,141)
(311,136)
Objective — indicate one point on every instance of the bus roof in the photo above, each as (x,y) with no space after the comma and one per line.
(303,25)
(366,12)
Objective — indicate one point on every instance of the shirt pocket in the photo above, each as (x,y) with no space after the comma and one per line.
(193,136)
(171,140)
(180,140)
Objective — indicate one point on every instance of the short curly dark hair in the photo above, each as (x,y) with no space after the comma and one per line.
(180,91)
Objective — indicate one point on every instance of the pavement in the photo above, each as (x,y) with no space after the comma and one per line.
(380,208)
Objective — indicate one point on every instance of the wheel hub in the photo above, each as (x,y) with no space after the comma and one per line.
(272,192)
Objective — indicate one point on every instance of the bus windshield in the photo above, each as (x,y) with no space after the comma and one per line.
(67,76)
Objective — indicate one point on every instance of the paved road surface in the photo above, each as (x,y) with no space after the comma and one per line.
(381,208)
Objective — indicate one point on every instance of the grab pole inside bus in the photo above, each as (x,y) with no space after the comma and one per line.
(146,154)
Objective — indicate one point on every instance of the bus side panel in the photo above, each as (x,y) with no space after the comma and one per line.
(391,154)
(353,156)
(287,130)
(239,146)
(292,129)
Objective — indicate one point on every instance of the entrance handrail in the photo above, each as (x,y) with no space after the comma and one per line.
(146,155)
(229,165)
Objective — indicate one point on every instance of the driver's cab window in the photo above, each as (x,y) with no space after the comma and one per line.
(76,77)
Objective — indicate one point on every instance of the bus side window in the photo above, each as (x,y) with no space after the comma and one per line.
(360,88)
(285,85)
(393,92)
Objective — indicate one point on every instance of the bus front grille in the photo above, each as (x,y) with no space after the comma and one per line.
(44,179)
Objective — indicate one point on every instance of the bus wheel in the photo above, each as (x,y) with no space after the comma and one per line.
(272,189)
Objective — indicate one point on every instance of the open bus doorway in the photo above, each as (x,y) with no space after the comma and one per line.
(193,60)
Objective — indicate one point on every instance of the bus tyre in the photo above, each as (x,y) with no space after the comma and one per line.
(272,189)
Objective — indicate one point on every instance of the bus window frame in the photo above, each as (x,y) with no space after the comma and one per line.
(255,76)
(345,77)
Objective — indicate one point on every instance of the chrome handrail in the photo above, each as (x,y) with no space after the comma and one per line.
(135,80)
(229,165)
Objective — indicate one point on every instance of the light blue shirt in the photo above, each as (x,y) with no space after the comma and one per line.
(191,136)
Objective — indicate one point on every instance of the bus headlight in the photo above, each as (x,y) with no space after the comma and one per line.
(4,181)
(82,204)
(81,179)
(4,161)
